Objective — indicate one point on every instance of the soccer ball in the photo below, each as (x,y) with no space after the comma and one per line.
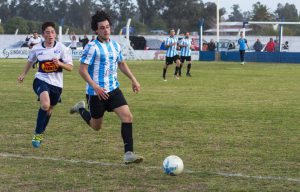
(173,165)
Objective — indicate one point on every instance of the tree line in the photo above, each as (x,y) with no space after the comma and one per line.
(27,15)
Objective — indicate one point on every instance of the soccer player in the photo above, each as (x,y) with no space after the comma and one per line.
(99,64)
(34,40)
(185,53)
(171,54)
(52,57)
(243,45)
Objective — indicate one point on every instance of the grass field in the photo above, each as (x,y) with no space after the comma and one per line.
(235,127)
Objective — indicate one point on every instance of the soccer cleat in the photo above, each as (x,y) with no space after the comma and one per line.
(188,75)
(37,140)
(177,77)
(130,157)
(242,63)
(77,106)
(165,80)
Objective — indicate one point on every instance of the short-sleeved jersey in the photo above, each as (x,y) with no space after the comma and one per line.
(172,50)
(102,59)
(242,43)
(32,41)
(186,50)
(48,71)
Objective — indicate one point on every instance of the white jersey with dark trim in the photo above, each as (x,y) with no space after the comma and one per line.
(32,41)
(48,71)
(172,50)
(186,49)
(103,59)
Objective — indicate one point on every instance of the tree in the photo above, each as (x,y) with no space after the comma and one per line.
(288,12)
(261,13)
(16,23)
(150,11)
(4,10)
(183,14)
(210,15)
(236,14)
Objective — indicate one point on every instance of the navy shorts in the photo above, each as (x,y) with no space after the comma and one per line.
(171,60)
(40,86)
(98,107)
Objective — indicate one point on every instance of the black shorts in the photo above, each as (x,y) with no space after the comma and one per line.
(183,58)
(171,60)
(98,107)
(40,86)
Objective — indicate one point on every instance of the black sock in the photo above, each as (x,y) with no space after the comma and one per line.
(40,122)
(126,132)
(180,69)
(164,73)
(46,121)
(86,116)
(189,68)
(176,70)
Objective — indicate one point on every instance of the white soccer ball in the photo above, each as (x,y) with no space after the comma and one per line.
(173,165)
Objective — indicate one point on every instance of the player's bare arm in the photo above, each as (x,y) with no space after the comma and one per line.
(25,71)
(136,87)
(65,66)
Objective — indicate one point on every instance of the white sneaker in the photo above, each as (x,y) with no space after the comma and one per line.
(77,106)
(242,63)
(130,157)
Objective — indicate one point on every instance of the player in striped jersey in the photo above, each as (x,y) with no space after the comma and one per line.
(99,64)
(52,58)
(171,54)
(185,54)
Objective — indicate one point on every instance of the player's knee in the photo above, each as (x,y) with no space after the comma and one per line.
(95,126)
(127,118)
(45,106)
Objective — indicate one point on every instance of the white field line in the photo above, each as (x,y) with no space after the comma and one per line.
(10,155)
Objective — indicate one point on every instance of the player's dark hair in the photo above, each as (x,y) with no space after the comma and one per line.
(172,29)
(99,17)
(47,24)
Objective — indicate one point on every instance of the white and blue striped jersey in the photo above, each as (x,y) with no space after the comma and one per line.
(172,50)
(186,50)
(103,59)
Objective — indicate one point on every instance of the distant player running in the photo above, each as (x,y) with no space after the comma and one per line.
(171,54)
(34,40)
(99,65)
(185,53)
(52,57)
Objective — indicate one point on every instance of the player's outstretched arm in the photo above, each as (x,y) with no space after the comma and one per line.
(136,87)
(25,71)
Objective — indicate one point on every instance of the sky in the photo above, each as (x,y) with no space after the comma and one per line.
(246,5)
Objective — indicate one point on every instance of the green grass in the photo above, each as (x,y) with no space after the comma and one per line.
(227,119)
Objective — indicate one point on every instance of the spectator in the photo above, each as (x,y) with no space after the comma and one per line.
(84,41)
(257,46)
(285,46)
(270,47)
(73,39)
(93,38)
(211,45)
(204,47)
